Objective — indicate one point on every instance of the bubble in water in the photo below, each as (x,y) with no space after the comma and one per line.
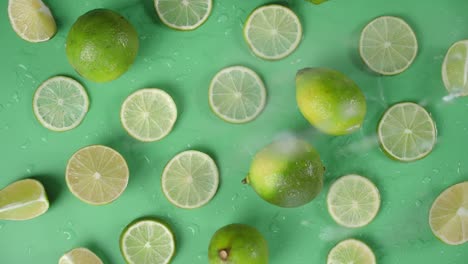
(194,229)
(223,18)
(427,180)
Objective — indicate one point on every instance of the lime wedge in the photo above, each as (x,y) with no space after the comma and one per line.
(183,14)
(407,132)
(455,69)
(80,256)
(23,200)
(448,217)
(351,251)
(148,114)
(273,32)
(31,20)
(60,103)
(353,201)
(190,179)
(147,242)
(97,174)
(388,45)
(237,94)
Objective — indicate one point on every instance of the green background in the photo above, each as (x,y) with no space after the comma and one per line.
(183,64)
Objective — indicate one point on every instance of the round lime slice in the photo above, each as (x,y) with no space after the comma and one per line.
(23,200)
(351,251)
(183,14)
(80,256)
(455,69)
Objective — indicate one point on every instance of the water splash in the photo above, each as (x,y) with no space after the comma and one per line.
(68,231)
(194,229)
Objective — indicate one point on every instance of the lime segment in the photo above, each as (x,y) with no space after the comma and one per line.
(183,14)
(351,251)
(31,20)
(455,69)
(23,200)
(80,256)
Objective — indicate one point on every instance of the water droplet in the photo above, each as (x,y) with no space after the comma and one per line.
(418,203)
(235,196)
(26,144)
(148,161)
(458,168)
(68,233)
(1,107)
(436,171)
(1,225)
(274,228)
(28,250)
(306,223)
(16,97)
(427,180)
(44,139)
(194,229)
(222,18)
(235,207)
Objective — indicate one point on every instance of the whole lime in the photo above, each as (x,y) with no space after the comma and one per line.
(238,244)
(287,173)
(330,101)
(102,45)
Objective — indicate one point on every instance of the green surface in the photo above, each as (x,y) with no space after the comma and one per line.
(183,64)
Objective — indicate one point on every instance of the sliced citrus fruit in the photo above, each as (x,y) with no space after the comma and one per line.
(353,201)
(23,200)
(97,174)
(407,132)
(80,256)
(448,217)
(388,45)
(237,94)
(183,14)
(351,251)
(455,69)
(273,32)
(148,114)
(31,20)
(60,103)
(147,242)
(190,179)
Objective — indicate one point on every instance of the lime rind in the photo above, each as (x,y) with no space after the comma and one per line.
(191,10)
(351,251)
(455,69)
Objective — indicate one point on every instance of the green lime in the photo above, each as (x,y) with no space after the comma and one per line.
(183,14)
(455,69)
(330,101)
(31,20)
(80,256)
(351,251)
(23,200)
(287,173)
(101,45)
(238,244)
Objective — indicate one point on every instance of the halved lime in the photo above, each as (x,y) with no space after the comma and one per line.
(388,45)
(273,32)
(351,251)
(31,20)
(183,14)
(448,217)
(455,69)
(23,200)
(353,201)
(80,256)
(147,242)
(407,132)
(97,174)
(60,103)
(190,179)
(237,94)
(148,114)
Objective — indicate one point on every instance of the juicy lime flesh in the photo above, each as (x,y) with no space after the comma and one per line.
(190,179)
(237,94)
(353,201)
(448,217)
(101,45)
(23,200)
(147,242)
(287,173)
(97,174)
(273,32)
(351,251)
(330,101)
(407,132)
(32,20)
(388,45)
(149,114)
(455,69)
(60,103)
(183,14)
(80,255)
(238,243)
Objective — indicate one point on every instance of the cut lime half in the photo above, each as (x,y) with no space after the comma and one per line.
(407,132)
(455,69)
(23,200)
(80,256)
(351,251)
(388,45)
(183,14)
(237,94)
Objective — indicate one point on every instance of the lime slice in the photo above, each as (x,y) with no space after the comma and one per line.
(448,217)
(351,251)
(388,45)
(237,94)
(183,14)
(190,179)
(23,200)
(60,103)
(353,201)
(31,20)
(455,69)
(147,242)
(273,32)
(407,132)
(97,174)
(148,114)
(80,256)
